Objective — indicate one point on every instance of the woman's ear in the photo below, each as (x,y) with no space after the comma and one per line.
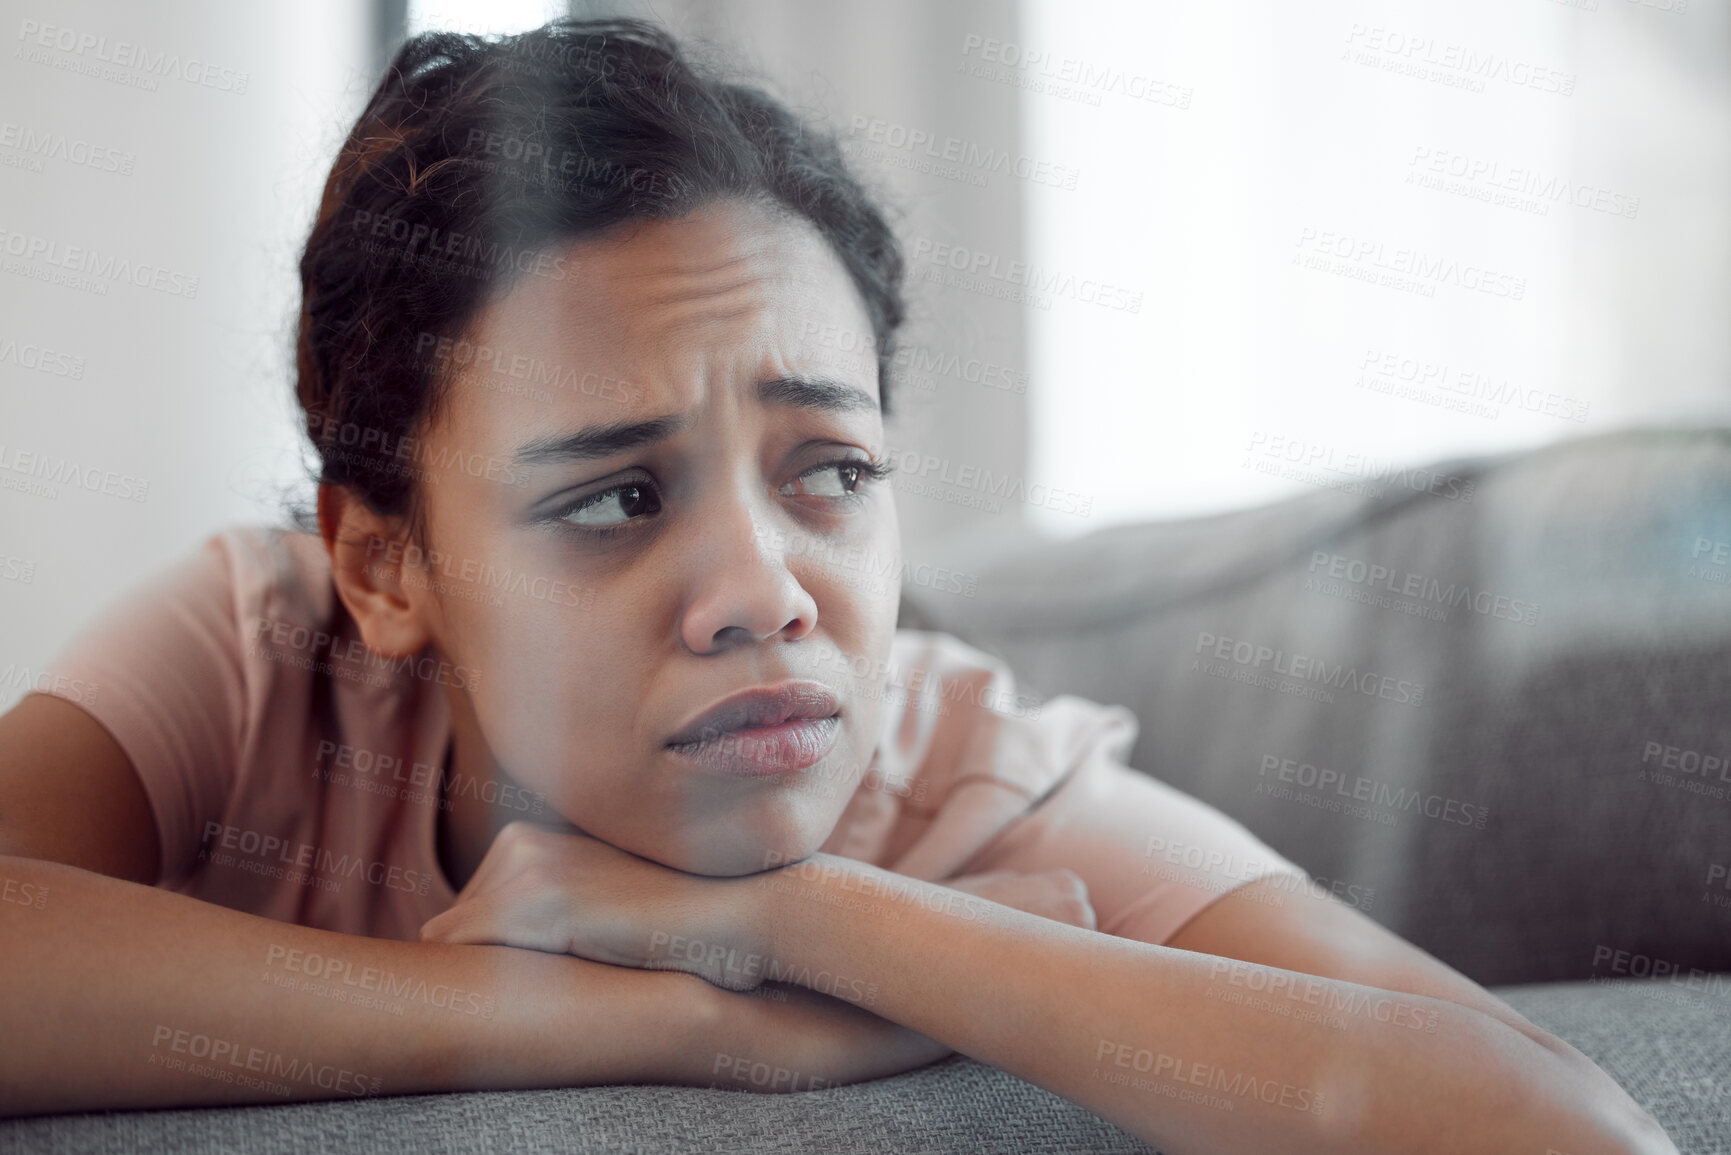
(373,564)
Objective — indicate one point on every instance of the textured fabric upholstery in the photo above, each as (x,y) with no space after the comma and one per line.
(1668,1046)
(1543,726)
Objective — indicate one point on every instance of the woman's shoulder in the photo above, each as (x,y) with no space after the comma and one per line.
(239,688)
(932,669)
(1009,732)
(271,571)
(170,668)
(1026,784)
(967,752)
(234,585)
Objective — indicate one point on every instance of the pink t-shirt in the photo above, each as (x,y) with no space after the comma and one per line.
(295,774)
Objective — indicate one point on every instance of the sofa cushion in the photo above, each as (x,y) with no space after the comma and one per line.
(1499,722)
(1665,1043)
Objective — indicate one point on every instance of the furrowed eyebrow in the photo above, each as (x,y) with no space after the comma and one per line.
(816,393)
(600,440)
(596,441)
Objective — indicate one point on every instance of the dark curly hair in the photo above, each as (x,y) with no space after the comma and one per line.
(476,156)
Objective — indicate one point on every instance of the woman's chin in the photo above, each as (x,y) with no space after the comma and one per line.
(734,856)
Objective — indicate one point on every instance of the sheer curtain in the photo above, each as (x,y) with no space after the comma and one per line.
(1365,235)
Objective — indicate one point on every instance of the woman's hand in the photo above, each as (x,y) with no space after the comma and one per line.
(1060,894)
(568,893)
(572,894)
(787,1038)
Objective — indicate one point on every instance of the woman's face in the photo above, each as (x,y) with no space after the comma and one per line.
(647,500)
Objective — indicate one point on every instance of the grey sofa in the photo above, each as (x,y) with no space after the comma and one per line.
(1508,747)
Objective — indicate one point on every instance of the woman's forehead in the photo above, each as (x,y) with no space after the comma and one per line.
(730,273)
(652,316)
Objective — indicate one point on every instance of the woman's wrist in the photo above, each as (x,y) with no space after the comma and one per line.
(762,905)
(689,1020)
(570,1022)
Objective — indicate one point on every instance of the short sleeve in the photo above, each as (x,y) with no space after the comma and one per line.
(1152,856)
(161,671)
(971,775)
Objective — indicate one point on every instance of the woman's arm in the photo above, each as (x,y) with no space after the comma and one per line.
(1312,932)
(1194,1053)
(121,995)
(117,994)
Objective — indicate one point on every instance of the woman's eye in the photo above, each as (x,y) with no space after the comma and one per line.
(835,479)
(613,507)
(611,510)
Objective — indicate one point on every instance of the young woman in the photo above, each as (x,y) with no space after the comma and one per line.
(580,745)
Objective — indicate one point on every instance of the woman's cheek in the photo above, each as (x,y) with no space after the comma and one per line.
(548,681)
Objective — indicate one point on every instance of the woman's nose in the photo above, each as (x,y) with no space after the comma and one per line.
(740,588)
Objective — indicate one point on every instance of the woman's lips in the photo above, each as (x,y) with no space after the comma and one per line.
(764,751)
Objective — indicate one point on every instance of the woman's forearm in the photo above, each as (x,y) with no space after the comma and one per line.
(121,995)
(1187,1051)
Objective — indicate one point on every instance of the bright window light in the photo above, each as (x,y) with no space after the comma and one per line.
(482,17)
(1365,236)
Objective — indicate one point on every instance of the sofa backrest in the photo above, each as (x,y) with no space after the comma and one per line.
(1489,704)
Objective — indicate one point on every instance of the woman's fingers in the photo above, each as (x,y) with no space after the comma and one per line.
(1060,895)
(1070,895)
(463,923)
(528,910)
(568,893)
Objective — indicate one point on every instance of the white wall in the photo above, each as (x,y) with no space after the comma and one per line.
(1293,123)
(190,394)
